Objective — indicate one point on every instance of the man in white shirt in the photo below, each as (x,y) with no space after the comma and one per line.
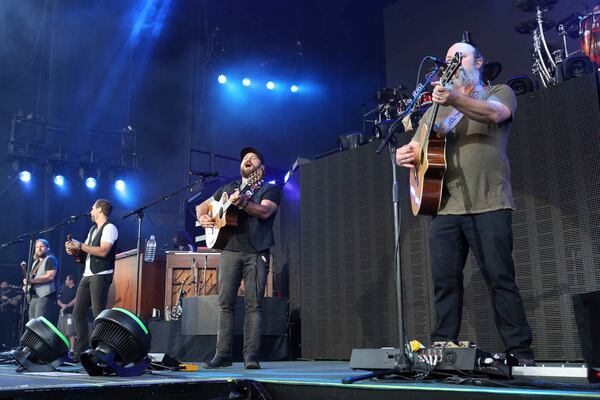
(97,253)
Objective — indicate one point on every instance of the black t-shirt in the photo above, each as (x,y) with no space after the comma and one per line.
(66,295)
(50,263)
(240,240)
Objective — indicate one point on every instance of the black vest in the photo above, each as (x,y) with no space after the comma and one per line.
(261,231)
(99,264)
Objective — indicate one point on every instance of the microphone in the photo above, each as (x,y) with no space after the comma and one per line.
(437,61)
(76,217)
(203,174)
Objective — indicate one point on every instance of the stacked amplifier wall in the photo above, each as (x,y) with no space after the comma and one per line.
(347,246)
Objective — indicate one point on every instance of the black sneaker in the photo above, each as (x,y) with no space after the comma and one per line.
(523,360)
(251,362)
(526,362)
(218,362)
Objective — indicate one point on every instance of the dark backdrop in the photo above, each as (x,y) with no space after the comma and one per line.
(416,29)
(152,65)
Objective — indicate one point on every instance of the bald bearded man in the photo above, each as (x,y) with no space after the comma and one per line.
(477,203)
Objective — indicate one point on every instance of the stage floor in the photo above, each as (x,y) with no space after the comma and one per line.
(277,380)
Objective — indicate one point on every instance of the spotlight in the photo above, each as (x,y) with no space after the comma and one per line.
(351,141)
(25,176)
(246,82)
(273,182)
(120,344)
(520,84)
(270,85)
(59,180)
(41,348)
(577,66)
(90,182)
(293,88)
(120,185)
(286,177)
(222,79)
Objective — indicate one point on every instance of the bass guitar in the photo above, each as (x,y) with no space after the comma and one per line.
(427,178)
(226,217)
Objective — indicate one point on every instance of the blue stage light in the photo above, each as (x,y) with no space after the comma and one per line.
(222,79)
(25,176)
(286,177)
(270,85)
(59,180)
(120,185)
(90,183)
(246,82)
(293,88)
(273,182)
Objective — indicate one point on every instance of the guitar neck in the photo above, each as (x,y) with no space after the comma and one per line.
(434,111)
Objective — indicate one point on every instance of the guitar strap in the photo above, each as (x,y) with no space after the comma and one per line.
(36,267)
(451,120)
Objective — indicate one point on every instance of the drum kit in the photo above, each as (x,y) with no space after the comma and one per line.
(547,57)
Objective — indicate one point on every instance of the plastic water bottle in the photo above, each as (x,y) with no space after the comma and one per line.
(150,249)
(167,313)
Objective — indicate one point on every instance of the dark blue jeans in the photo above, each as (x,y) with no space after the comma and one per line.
(252,268)
(489,236)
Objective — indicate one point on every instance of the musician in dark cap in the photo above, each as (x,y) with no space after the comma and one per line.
(476,205)
(245,256)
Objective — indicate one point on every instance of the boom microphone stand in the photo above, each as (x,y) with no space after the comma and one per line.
(140,216)
(31,237)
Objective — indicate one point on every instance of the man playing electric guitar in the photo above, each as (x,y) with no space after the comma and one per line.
(97,254)
(43,281)
(476,203)
(245,256)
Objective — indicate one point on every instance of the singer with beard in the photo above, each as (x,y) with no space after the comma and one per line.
(245,256)
(97,254)
(477,203)
(43,281)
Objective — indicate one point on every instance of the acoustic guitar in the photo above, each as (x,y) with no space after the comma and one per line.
(427,178)
(226,217)
(77,254)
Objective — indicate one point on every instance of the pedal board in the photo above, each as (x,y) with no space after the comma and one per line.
(462,356)
(375,359)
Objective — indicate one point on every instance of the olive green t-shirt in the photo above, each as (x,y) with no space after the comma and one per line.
(477,175)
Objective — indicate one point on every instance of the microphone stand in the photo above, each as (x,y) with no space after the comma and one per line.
(139,212)
(403,361)
(31,237)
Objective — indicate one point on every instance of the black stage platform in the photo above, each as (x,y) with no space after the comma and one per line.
(277,380)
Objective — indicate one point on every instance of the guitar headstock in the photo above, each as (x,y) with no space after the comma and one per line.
(451,68)
(256,177)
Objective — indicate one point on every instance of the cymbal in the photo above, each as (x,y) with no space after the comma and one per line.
(490,71)
(531,5)
(527,26)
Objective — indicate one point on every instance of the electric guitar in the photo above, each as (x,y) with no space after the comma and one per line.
(225,216)
(28,287)
(427,178)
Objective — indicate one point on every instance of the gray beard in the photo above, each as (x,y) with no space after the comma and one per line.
(466,79)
